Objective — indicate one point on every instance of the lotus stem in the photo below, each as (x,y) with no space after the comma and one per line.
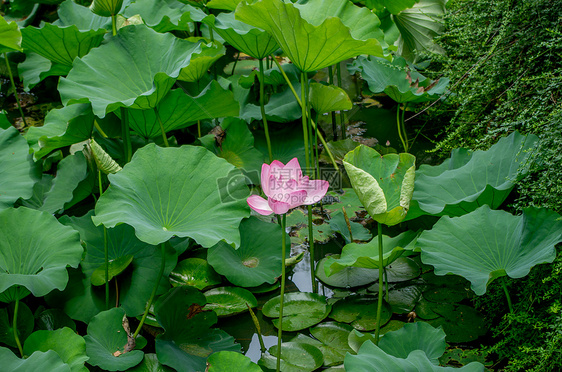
(262,107)
(234,64)
(164,132)
(15,321)
(334,122)
(348,224)
(304,85)
(103,134)
(282,295)
(114,24)
(381,269)
(342,116)
(404,126)
(399,126)
(105,250)
(153,294)
(509,304)
(263,349)
(313,124)
(126,135)
(14,87)
(198,128)
(311,250)
(386,283)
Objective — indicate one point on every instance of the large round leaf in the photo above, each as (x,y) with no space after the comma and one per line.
(71,13)
(195,272)
(38,361)
(416,336)
(106,340)
(461,323)
(295,356)
(128,71)
(10,36)
(17,170)
(202,61)
(226,301)
(185,192)
(257,261)
(300,310)
(347,277)
(360,312)
(230,360)
(327,98)
(35,251)
(486,244)
(468,180)
(384,184)
(165,15)
(332,341)
(317,34)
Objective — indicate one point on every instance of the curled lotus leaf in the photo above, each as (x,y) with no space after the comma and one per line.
(106,8)
(10,36)
(165,15)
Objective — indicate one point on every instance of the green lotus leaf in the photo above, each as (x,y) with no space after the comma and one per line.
(106,337)
(13,293)
(356,338)
(360,312)
(179,110)
(165,15)
(150,363)
(82,301)
(384,184)
(470,179)
(327,98)
(448,288)
(201,62)
(317,34)
(115,267)
(71,13)
(65,342)
(36,250)
(195,272)
(148,195)
(52,319)
(461,323)
(25,323)
(371,358)
(415,336)
(499,244)
(300,310)
(418,26)
(401,270)
(403,298)
(61,45)
(35,68)
(393,6)
(367,255)
(188,339)
(347,277)
(10,36)
(103,77)
(230,360)
(346,198)
(223,4)
(62,127)
(281,108)
(332,339)
(38,361)
(106,8)
(4,122)
(245,38)
(257,261)
(18,173)
(298,220)
(295,356)
(227,301)
(399,81)
(339,224)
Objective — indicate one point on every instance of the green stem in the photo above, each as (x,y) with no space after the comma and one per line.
(103,134)
(304,85)
(156,285)
(386,283)
(126,135)
(262,107)
(14,88)
(348,224)
(282,295)
(258,329)
(342,116)
(234,64)
(399,126)
(404,127)
(114,24)
(15,321)
(164,132)
(311,250)
(507,296)
(334,121)
(381,294)
(105,250)
(199,128)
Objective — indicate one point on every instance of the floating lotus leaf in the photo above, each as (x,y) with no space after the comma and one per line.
(332,341)
(107,337)
(418,26)
(401,270)
(106,8)
(384,184)
(257,261)
(103,77)
(247,39)
(300,310)
(188,340)
(371,358)
(81,301)
(403,299)
(230,360)
(327,98)
(415,336)
(348,199)
(448,288)
(38,361)
(226,301)
(165,192)
(360,312)
(356,338)
(295,356)
(35,251)
(17,170)
(461,323)
(165,15)
(65,342)
(195,272)
(317,34)
(25,323)
(347,277)
(398,80)
(298,221)
(339,224)
(468,180)
(366,255)
(201,62)
(10,36)
(499,244)
(179,110)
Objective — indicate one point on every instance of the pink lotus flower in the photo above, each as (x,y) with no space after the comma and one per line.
(286,188)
